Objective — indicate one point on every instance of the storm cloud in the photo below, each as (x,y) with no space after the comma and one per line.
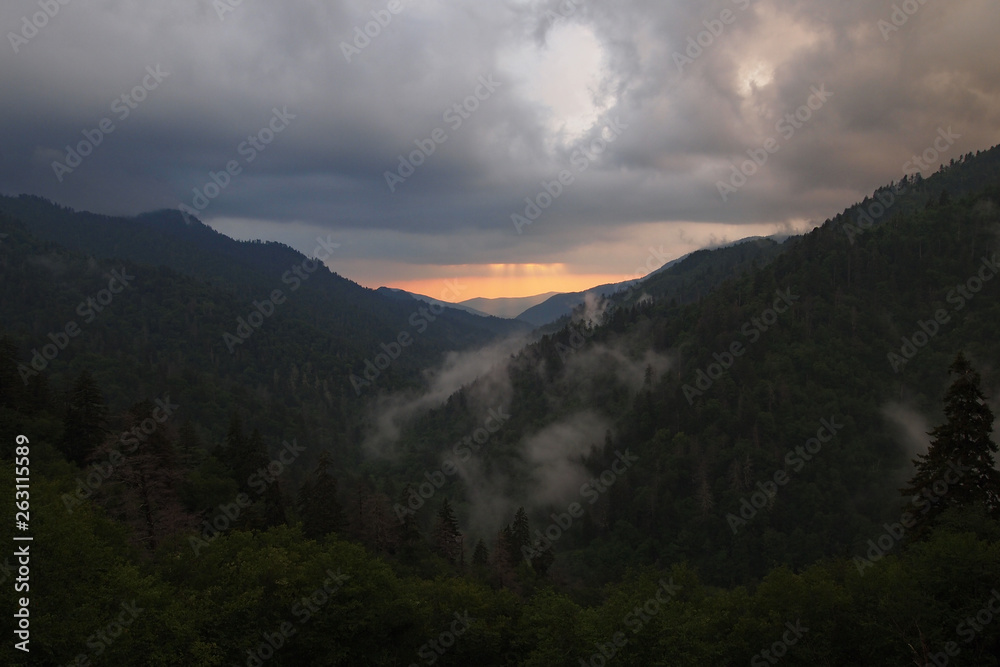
(478,109)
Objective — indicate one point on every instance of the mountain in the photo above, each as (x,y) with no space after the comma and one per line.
(506,307)
(403,294)
(694,276)
(222,326)
(714,371)
(684,279)
(700,470)
(560,305)
(249,269)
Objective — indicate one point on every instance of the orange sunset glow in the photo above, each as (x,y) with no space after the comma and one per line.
(504,280)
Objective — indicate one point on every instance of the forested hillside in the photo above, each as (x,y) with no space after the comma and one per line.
(840,327)
(220,325)
(705,470)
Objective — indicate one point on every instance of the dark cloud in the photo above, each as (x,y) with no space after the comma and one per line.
(564,69)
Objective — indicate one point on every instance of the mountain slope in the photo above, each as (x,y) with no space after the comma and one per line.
(352,316)
(509,307)
(736,381)
(560,305)
(686,279)
(240,327)
(404,295)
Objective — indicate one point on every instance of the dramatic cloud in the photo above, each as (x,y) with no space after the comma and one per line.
(643,106)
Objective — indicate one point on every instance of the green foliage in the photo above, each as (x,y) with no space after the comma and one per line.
(958,469)
(651,573)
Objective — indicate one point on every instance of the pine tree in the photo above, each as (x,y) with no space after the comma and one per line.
(408,531)
(254,460)
(321,511)
(480,555)
(520,534)
(447,537)
(542,560)
(85,421)
(958,468)
(190,449)
(234,445)
(503,567)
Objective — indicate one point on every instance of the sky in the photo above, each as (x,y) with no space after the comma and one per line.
(516,147)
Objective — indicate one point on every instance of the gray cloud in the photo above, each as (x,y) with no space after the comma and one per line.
(610,59)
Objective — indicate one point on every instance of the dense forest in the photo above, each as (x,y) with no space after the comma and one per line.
(724,464)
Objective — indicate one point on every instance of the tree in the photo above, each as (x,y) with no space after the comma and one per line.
(958,468)
(481,555)
(85,420)
(143,489)
(321,511)
(234,445)
(408,532)
(190,449)
(446,536)
(520,534)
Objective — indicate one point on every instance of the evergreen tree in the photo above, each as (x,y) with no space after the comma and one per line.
(520,534)
(542,560)
(480,555)
(958,468)
(85,420)
(234,445)
(254,461)
(190,449)
(321,511)
(408,531)
(446,536)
